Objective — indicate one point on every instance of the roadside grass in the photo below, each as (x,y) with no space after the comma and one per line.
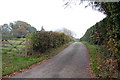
(13,63)
(102,63)
(95,58)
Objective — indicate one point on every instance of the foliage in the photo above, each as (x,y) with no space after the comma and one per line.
(110,7)
(42,29)
(22,30)
(107,32)
(31,29)
(105,7)
(66,31)
(16,29)
(101,64)
(40,41)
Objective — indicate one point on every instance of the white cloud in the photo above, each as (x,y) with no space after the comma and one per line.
(50,14)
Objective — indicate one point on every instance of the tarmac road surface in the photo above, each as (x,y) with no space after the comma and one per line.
(72,62)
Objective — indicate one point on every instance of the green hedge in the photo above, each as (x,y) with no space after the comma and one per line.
(107,33)
(41,41)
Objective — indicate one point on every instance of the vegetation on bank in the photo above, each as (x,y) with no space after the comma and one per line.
(100,62)
(13,63)
(93,51)
(106,34)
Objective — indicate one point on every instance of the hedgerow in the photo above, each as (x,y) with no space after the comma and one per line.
(107,33)
(41,41)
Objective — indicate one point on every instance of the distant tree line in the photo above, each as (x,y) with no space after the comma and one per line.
(17,29)
(67,32)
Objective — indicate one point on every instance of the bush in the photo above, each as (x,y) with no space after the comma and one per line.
(41,41)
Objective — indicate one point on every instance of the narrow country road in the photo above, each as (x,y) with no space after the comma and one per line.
(72,62)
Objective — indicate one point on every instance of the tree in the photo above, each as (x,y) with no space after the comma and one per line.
(22,23)
(22,30)
(16,29)
(13,29)
(11,25)
(105,7)
(67,32)
(42,29)
(31,29)
(5,29)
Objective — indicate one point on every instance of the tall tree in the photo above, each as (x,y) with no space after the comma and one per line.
(22,23)
(5,29)
(22,31)
(42,29)
(67,32)
(31,29)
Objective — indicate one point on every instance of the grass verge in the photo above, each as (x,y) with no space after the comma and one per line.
(93,50)
(102,63)
(13,63)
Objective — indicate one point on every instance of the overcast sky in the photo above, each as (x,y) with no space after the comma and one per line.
(49,13)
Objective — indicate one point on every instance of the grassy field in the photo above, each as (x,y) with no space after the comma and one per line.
(13,63)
